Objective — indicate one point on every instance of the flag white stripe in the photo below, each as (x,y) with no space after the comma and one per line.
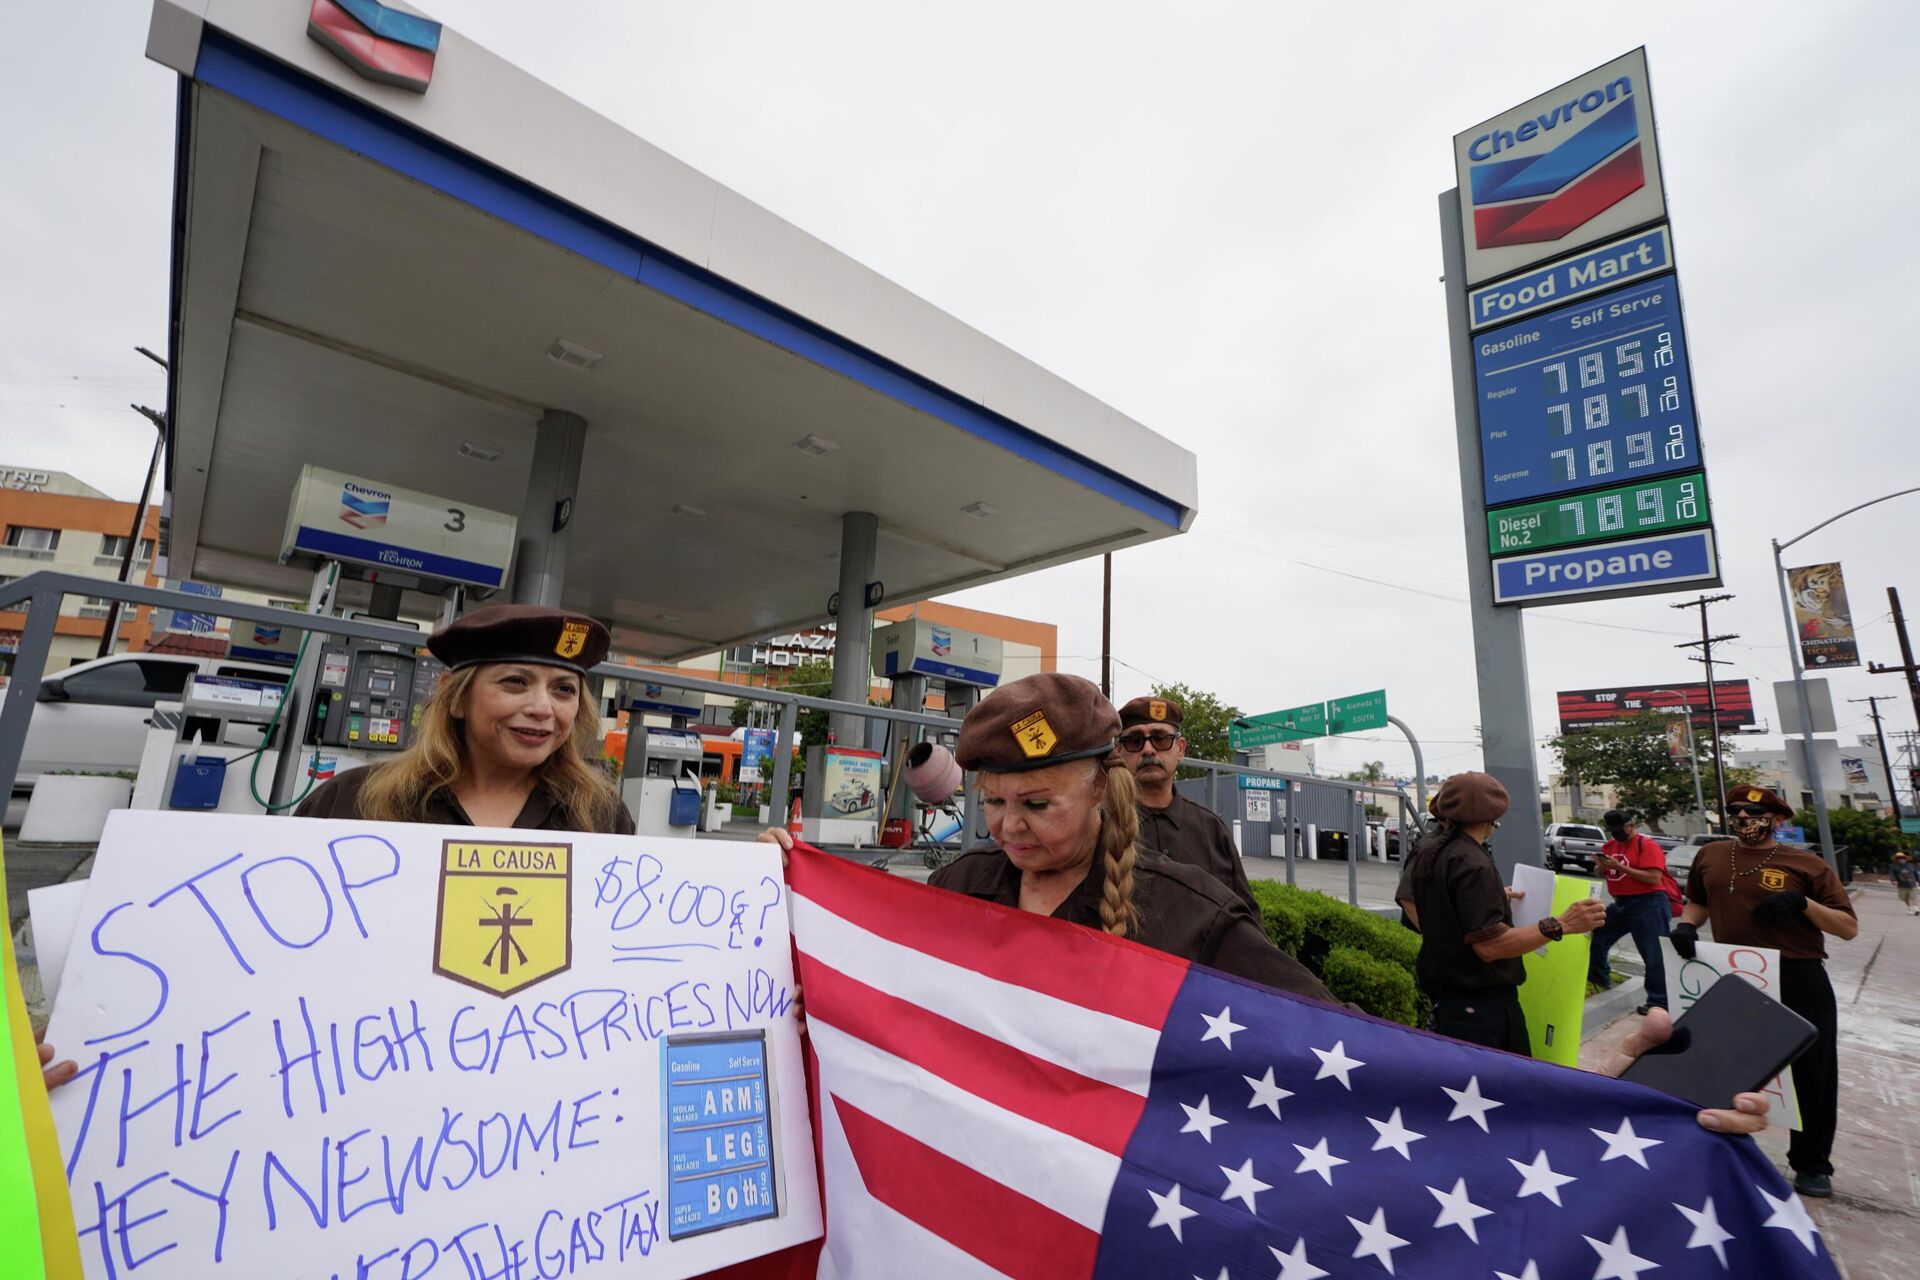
(1105,1048)
(1070,1177)
(866,1240)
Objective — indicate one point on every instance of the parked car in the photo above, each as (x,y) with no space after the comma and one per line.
(92,717)
(1572,845)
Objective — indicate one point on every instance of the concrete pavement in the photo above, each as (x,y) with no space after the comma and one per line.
(1872,1224)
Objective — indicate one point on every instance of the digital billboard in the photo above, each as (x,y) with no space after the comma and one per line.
(1582,709)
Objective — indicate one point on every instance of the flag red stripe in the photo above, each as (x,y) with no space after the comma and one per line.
(1045,1092)
(1053,957)
(1018,1237)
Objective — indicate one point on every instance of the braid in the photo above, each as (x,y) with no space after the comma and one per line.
(1118,834)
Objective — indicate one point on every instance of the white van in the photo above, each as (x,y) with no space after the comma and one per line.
(92,717)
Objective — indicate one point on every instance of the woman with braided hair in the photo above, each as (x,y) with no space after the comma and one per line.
(1062,809)
(1063,813)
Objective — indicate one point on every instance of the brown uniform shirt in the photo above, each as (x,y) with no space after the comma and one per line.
(1730,899)
(339,797)
(1456,889)
(1183,912)
(1194,834)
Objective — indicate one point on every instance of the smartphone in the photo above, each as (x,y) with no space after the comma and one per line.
(1733,1040)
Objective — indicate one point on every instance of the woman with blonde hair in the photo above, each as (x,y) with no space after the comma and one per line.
(1061,808)
(505,741)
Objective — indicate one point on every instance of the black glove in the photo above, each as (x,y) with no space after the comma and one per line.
(1683,936)
(1780,906)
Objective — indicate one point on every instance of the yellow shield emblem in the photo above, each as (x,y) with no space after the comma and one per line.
(1754,797)
(1035,736)
(1157,709)
(1773,878)
(573,639)
(506,914)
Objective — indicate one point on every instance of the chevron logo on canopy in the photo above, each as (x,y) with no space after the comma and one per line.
(1547,196)
(378,41)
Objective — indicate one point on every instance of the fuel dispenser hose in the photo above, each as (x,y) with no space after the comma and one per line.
(313,766)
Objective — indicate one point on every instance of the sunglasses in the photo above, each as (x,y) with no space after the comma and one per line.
(1137,739)
(1746,810)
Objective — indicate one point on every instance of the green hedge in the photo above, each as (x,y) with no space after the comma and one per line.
(1379,986)
(1361,957)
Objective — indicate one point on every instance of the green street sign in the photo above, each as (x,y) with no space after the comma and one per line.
(1361,711)
(1631,510)
(1295,724)
(1910,826)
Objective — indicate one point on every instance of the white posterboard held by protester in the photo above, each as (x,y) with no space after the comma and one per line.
(394,1049)
(1688,980)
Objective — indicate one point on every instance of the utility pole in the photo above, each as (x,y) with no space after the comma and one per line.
(1873,707)
(1705,644)
(1906,667)
(1106,626)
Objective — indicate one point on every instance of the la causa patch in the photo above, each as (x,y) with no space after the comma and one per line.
(506,914)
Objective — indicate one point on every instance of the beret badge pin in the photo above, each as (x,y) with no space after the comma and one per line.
(1035,736)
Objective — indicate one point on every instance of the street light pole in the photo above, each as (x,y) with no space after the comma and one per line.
(110,630)
(1799,673)
(1693,755)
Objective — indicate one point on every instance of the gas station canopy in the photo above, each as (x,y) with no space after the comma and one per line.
(399,285)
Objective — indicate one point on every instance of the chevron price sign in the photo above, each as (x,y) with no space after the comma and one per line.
(1573,167)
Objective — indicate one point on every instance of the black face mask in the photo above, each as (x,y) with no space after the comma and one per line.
(1618,833)
(1751,828)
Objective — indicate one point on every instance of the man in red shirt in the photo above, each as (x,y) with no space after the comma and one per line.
(1635,868)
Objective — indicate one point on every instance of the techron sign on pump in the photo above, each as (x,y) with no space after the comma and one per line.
(1574,166)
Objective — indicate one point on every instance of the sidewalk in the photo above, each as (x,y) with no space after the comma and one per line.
(1872,1224)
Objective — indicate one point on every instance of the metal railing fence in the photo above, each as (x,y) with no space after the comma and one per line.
(41,595)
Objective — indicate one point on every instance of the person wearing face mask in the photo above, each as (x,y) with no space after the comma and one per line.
(1635,868)
(1759,893)
(1469,963)
(1171,825)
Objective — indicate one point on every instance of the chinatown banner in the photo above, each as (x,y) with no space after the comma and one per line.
(1822,617)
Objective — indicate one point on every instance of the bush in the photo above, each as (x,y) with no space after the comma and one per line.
(1362,958)
(1381,987)
(1282,915)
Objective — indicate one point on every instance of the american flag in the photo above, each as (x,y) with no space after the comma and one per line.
(1003,1095)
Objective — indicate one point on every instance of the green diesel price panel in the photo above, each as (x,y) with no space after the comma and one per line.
(1603,515)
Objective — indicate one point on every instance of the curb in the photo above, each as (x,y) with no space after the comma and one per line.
(1609,1006)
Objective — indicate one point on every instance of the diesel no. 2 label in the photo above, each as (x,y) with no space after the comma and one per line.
(1674,502)
(1592,394)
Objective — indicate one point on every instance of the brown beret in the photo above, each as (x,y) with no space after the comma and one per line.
(521,633)
(1151,711)
(1037,721)
(1761,796)
(1471,798)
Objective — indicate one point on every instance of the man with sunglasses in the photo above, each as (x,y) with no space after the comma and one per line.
(1172,825)
(1759,893)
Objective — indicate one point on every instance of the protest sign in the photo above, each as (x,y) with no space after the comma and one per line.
(54,912)
(1688,980)
(407,1052)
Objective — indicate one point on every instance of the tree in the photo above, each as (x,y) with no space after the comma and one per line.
(1204,723)
(1371,771)
(1634,758)
(812,679)
(1871,840)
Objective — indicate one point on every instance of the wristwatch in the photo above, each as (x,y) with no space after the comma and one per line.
(1552,930)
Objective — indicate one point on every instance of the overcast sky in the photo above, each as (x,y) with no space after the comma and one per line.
(1219,219)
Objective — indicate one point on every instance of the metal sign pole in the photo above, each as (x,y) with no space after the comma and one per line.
(1806,713)
(1499,640)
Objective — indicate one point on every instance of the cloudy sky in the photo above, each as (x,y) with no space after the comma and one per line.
(1219,218)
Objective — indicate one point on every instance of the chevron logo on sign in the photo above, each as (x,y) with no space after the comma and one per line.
(1551,194)
(380,42)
